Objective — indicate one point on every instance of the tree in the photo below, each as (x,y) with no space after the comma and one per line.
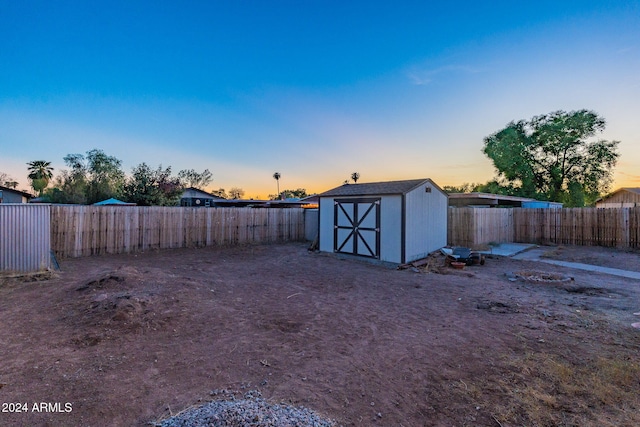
(74,182)
(191,178)
(289,194)
(171,188)
(106,178)
(220,193)
(67,188)
(70,186)
(276,176)
(91,178)
(236,193)
(40,173)
(464,188)
(141,187)
(7,181)
(147,187)
(554,156)
(355,177)
(497,187)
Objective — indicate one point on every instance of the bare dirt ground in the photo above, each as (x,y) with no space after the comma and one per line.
(127,340)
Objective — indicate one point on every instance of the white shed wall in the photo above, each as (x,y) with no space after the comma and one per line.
(391,228)
(426,221)
(325,235)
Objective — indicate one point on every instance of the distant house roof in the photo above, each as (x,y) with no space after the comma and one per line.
(13,190)
(113,202)
(373,188)
(289,203)
(635,190)
(196,193)
(484,199)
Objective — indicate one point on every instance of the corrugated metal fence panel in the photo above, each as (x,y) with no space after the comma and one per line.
(25,237)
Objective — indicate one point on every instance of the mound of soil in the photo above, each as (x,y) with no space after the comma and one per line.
(117,302)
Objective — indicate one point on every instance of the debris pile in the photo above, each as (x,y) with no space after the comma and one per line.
(435,262)
(441,260)
(538,276)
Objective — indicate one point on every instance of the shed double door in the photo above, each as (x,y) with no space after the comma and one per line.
(356,229)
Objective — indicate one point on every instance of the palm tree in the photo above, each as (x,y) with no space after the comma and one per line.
(40,173)
(355,176)
(276,176)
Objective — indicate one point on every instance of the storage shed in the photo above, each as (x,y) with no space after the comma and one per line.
(394,221)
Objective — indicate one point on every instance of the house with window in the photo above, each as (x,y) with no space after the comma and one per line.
(198,198)
(11,195)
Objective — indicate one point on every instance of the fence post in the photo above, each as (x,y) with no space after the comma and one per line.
(624,225)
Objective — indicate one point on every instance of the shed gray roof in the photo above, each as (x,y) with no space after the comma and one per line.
(373,188)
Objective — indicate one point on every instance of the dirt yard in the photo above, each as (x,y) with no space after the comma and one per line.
(128,340)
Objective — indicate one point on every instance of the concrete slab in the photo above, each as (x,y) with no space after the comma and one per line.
(509,249)
(535,255)
(532,252)
(596,268)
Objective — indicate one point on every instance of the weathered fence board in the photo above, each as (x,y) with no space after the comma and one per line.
(92,230)
(613,227)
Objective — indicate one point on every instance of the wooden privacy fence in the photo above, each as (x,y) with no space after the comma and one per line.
(614,227)
(619,227)
(92,230)
(471,227)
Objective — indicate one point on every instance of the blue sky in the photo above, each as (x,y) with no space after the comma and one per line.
(314,90)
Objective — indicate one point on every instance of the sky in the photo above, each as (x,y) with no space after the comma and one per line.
(314,90)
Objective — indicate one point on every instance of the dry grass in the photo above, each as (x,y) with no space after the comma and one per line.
(546,390)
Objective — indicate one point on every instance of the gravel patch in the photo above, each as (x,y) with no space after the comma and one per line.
(250,411)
